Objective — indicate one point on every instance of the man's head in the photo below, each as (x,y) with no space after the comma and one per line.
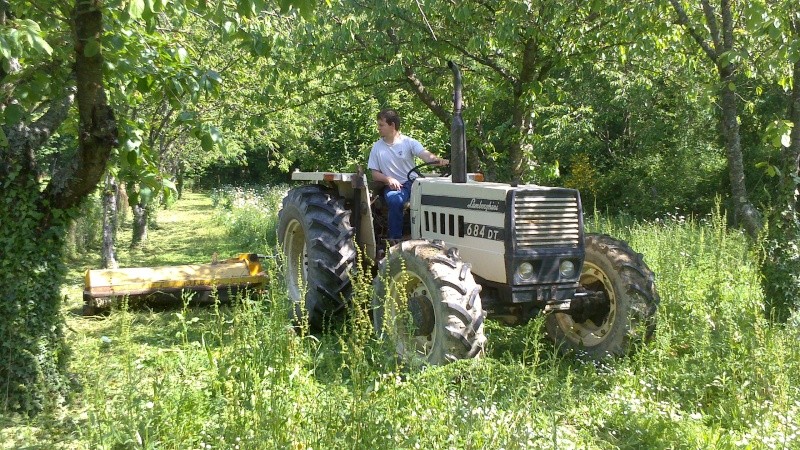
(388,122)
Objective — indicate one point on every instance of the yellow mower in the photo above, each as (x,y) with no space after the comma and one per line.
(172,282)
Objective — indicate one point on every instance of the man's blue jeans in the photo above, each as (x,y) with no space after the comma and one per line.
(395,201)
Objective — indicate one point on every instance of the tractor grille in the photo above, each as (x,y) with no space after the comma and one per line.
(546,219)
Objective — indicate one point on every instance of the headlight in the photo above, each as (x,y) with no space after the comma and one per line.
(567,269)
(525,271)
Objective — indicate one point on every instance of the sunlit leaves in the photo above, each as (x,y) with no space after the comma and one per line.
(21,35)
(210,82)
(778,133)
(305,7)
(209,136)
(135,8)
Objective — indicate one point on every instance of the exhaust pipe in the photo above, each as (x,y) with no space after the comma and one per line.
(458,138)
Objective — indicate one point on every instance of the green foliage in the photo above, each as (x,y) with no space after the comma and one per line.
(781,270)
(25,35)
(638,145)
(85,232)
(341,140)
(780,253)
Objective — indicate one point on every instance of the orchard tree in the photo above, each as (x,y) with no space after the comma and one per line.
(712,28)
(38,91)
(51,55)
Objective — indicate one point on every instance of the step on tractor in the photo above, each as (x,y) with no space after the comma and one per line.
(475,250)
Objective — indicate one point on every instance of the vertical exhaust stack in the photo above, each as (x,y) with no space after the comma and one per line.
(458,138)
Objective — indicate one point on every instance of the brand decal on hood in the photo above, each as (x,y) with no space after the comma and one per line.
(468,203)
(484,205)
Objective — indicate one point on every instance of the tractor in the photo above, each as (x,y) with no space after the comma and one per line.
(475,250)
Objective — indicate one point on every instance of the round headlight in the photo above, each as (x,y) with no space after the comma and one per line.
(525,271)
(567,269)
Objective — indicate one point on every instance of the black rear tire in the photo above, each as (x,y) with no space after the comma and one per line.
(317,240)
(628,317)
(427,304)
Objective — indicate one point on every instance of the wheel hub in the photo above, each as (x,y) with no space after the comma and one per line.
(591,305)
(591,326)
(297,259)
(414,316)
(422,315)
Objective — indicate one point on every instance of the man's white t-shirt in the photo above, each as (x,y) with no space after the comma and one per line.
(397,159)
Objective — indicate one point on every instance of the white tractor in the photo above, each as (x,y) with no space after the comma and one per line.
(476,250)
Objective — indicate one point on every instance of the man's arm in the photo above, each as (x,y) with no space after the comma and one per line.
(429,157)
(425,155)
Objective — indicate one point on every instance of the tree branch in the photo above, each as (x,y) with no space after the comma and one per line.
(483,60)
(480,59)
(24,140)
(727,26)
(683,20)
(711,21)
(425,96)
(530,53)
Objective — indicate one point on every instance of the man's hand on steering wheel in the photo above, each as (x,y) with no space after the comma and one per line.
(439,162)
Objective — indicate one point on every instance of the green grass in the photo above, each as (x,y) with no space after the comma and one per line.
(717,375)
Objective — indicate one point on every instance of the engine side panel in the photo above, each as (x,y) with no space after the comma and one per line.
(469,216)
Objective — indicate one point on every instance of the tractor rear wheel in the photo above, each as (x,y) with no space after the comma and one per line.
(315,234)
(427,304)
(626,317)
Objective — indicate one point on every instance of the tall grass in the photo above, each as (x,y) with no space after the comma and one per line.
(717,375)
(250,214)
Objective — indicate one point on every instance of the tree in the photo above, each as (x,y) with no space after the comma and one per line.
(52,55)
(34,367)
(712,30)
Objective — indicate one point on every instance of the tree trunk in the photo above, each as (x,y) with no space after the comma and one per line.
(521,115)
(745,212)
(179,180)
(33,366)
(122,203)
(33,369)
(34,363)
(515,146)
(139,225)
(109,258)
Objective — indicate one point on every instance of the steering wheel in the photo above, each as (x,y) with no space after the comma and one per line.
(416,168)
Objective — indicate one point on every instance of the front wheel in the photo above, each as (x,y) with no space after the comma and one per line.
(427,304)
(624,318)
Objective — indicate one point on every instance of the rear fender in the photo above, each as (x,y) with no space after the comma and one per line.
(346,185)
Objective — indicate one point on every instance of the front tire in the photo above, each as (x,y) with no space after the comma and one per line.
(427,304)
(625,319)
(315,234)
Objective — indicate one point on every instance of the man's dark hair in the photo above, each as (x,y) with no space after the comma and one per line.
(391,117)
